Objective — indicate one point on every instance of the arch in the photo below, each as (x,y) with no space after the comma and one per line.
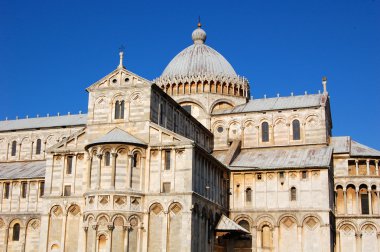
(220,102)
(191,100)
(245,218)
(288,215)
(102,218)
(265,220)
(343,223)
(102,242)
(16,229)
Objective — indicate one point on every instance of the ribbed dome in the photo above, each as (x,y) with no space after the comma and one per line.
(198,59)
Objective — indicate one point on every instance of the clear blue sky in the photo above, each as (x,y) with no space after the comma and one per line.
(50,51)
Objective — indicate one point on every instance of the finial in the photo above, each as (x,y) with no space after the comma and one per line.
(199,22)
(121,55)
(324,83)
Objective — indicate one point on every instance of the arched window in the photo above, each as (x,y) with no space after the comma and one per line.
(117,110)
(267,237)
(293,194)
(38,147)
(16,232)
(107,159)
(136,160)
(248,195)
(265,132)
(122,103)
(14,146)
(296,130)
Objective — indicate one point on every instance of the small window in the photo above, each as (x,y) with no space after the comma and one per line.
(14,146)
(107,159)
(167,159)
(67,191)
(293,194)
(136,160)
(42,189)
(265,132)
(24,188)
(122,103)
(6,190)
(187,108)
(117,110)
(38,147)
(166,187)
(259,176)
(248,195)
(16,232)
(220,129)
(296,130)
(281,174)
(304,174)
(69,165)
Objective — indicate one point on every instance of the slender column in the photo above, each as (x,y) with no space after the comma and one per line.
(6,235)
(113,172)
(19,151)
(377,167)
(94,242)
(367,162)
(165,232)
(126,237)
(89,167)
(242,136)
(110,228)
(299,231)
(99,171)
(63,235)
(357,167)
(358,242)
(337,241)
(259,239)
(85,229)
(31,150)
(357,201)
(345,201)
(370,201)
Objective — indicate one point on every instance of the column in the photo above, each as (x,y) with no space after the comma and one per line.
(89,167)
(367,162)
(345,200)
(337,241)
(377,167)
(126,237)
(19,151)
(259,239)
(110,228)
(242,136)
(31,150)
(165,232)
(299,234)
(63,235)
(358,242)
(357,167)
(6,228)
(357,201)
(99,171)
(85,229)
(370,201)
(95,244)
(113,171)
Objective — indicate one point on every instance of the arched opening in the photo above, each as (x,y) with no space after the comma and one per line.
(266,238)
(16,232)
(107,159)
(38,147)
(102,243)
(339,200)
(265,132)
(364,199)
(293,194)
(351,199)
(296,130)
(13,149)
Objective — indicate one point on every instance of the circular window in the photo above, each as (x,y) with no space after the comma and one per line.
(220,129)
(126,79)
(114,81)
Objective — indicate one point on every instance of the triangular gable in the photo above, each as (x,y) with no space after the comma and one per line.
(64,142)
(225,224)
(118,78)
(361,150)
(117,135)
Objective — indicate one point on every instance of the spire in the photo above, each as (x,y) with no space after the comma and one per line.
(121,55)
(199,22)
(324,83)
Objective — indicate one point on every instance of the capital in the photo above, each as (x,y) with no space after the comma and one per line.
(100,156)
(114,155)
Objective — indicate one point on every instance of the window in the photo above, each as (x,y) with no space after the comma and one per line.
(67,191)
(265,132)
(293,194)
(14,146)
(69,165)
(107,159)
(119,109)
(38,147)
(6,190)
(281,174)
(136,160)
(16,232)
(166,187)
(296,130)
(24,188)
(248,195)
(42,189)
(258,176)
(187,108)
(167,159)
(304,174)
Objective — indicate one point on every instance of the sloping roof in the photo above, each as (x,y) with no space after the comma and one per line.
(276,103)
(44,122)
(277,158)
(227,225)
(344,144)
(117,135)
(22,170)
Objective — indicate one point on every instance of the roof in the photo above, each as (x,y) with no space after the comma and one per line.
(22,170)
(43,122)
(277,103)
(117,135)
(277,158)
(198,59)
(344,144)
(227,225)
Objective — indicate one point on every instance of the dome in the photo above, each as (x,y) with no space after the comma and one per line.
(199,59)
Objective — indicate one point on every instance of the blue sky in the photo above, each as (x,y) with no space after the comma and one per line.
(50,51)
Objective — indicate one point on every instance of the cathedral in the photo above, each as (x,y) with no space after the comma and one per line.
(188,161)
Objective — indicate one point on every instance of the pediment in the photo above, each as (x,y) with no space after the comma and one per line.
(120,77)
